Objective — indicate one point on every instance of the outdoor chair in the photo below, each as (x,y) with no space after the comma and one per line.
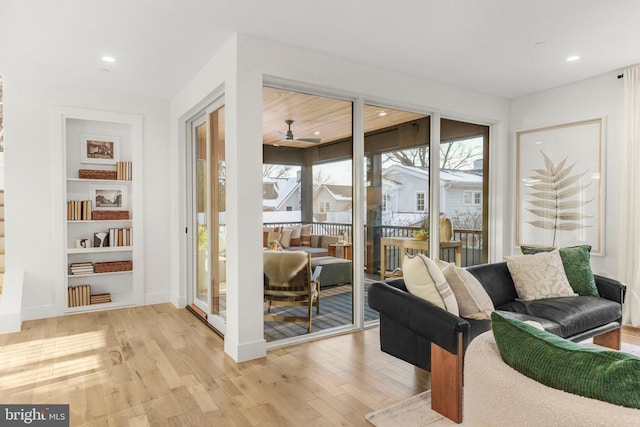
(288,282)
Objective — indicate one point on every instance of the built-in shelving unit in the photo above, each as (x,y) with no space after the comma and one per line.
(107,147)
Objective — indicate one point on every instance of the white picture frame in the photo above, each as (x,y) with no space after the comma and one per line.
(560,185)
(103,150)
(107,197)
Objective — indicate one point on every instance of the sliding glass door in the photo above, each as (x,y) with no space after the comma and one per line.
(207,242)
(308,201)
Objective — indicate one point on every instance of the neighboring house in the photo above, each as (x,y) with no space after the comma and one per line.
(405,193)
(280,194)
(333,203)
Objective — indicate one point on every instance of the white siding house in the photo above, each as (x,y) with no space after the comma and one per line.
(281,195)
(405,191)
(333,203)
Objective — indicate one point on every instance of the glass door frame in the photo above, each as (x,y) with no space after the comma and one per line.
(203,117)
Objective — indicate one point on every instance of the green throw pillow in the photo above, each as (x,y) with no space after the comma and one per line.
(605,375)
(577,267)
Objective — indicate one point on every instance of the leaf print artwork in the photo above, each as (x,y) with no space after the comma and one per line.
(556,198)
(560,185)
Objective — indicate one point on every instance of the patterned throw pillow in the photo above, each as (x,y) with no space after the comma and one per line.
(296,230)
(539,276)
(473,301)
(606,375)
(424,279)
(305,235)
(577,266)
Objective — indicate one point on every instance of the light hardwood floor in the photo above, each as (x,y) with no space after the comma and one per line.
(158,365)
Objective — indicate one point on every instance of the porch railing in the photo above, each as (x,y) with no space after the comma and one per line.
(472,243)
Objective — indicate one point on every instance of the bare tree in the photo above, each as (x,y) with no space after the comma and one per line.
(418,157)
(320,178)
(275,171)
(453,155)
(459,154)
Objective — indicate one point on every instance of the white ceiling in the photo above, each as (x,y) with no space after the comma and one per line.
(484,45)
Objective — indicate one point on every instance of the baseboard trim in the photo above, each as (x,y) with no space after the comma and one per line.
(11,302)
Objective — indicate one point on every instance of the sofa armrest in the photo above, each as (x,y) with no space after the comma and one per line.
(420,316)
(610,289)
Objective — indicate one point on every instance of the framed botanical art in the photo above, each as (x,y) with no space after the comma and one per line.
(107,197)
(99,149)
(560,185)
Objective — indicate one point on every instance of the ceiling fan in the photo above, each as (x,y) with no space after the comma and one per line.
(289,135)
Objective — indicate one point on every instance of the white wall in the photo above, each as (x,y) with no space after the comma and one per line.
(240,66)
(29,200)
(597,97)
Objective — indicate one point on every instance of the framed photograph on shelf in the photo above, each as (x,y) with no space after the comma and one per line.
(108,197)
(99,149)
(560,186)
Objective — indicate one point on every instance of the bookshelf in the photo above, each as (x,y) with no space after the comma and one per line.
(100,210)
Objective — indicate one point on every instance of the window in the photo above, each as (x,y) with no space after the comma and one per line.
(420,201)
(472,198)
(325,207)
(269,191)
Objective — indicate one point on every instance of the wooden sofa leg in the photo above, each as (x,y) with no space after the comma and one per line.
(446,381)
(611,339)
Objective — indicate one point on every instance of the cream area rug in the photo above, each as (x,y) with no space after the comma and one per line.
(416,410)
(412,412)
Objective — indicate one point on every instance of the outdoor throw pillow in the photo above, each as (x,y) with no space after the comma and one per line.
(539,276)
(577,266)
(296,230)
(606,375)
(305,235)
(424,279)
(285,238)
(473,300)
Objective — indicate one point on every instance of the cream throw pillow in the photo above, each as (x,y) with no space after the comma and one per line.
(273,235)
(285,238)
(424,279)
(539,276)
(473,300)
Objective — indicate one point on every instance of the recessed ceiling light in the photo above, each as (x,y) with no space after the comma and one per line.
(280,93)
(540,44)
(382,113)
(316,133)
(108,59)
(573,58)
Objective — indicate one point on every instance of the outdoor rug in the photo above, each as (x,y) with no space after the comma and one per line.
(336,309)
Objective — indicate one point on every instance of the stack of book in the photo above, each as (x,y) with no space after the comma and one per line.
(120,237)
(100,298)
(123,171)
(79,295)
(81,268)
(78,210)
